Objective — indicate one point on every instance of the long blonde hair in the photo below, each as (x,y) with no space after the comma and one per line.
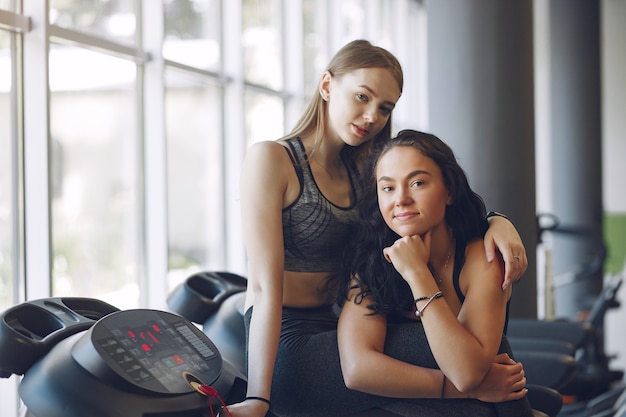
(354,55)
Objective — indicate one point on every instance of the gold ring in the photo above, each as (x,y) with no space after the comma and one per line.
(517,257)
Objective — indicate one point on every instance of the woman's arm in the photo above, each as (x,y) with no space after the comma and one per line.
(503,236)
(479,325)
(464,348)
(367,368)
(361,339)
(263,186)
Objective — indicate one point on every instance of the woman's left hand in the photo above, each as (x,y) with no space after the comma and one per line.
(505,381)
(503,236)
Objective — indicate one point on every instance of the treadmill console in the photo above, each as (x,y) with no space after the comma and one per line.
(152,350)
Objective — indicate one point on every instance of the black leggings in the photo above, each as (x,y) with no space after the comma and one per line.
(307,379)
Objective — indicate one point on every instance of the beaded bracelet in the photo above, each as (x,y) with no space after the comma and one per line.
(430,298)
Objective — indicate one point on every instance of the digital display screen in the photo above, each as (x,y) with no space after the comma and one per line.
(154,350)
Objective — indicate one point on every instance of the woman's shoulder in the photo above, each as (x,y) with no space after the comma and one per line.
(475,245)
(269,153)
(268,173)
(267,147)
(475,251)
(476,264)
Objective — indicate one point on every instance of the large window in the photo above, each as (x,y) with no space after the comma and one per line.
(193,33)
(110,19)
(261,43)
(11,223)
(195,174)
(7,191)
(94,162)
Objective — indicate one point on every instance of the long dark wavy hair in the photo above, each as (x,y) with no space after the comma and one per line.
(364,265)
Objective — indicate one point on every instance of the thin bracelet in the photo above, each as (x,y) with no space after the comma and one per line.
(419,312)
(443,386)
(265,400)
(495,213)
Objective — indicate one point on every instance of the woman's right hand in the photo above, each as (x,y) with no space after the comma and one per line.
(247,408)
(505,381)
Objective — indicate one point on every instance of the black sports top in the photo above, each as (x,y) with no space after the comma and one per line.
(460,255)
(315,230)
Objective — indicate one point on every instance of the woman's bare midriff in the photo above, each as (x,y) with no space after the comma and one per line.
(306,289)
(303,290)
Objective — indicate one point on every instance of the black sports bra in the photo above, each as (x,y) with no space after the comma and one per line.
(459,260)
